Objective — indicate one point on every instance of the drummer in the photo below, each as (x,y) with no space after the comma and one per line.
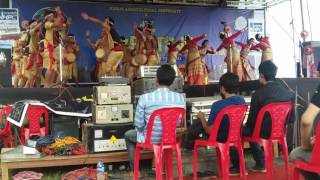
(100,53)
(48,59)
(71,51)
(31,64)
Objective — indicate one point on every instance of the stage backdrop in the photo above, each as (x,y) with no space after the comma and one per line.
(170,23)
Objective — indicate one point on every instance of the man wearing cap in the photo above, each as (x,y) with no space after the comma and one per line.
(271,91)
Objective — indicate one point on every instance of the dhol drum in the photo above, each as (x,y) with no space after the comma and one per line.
(70,57)
(100,53)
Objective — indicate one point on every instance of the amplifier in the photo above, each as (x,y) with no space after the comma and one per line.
(151,71)
(146,85)
(113,80)
(104,138)
(108,114)
(112,94)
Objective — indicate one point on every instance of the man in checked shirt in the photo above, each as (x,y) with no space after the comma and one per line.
(160,98)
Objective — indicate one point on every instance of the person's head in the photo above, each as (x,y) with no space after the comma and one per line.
(71,38)
(24,24)
(258,37)
(122,40)
(267,71)
(187,38)
(222,35)
(228,83)
(165,75)
(250,41)
(205,43)
(109,20)
(169,44)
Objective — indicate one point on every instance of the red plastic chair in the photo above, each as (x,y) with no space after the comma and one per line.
(34,114)
(236,114)
(6,132)
(314,164)
(279,113)
(169,119)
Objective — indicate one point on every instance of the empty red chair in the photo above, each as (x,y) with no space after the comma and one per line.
(236,114)
(279,113)
(314,164)
(34,114)
(6,131)
(169,119)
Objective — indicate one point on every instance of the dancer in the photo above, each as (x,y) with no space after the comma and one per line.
(100,53)
(153,57)
(71,51)
(49,64)
(140,57)
(31,68)
(204,50)
(232,57)
(22,48)
(264,46)
(244,68)
(194,67)
(172,52)
(16,62)
(129,67)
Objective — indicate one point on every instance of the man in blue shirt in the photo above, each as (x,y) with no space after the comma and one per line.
(160,98)
(202,128)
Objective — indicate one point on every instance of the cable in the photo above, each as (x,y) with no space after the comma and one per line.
(286,32)
(309,19)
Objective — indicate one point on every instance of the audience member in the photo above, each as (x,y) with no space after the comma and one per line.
(271,91)
(160,98)
(307,139)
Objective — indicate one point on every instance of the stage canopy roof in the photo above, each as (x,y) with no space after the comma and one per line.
(241,4)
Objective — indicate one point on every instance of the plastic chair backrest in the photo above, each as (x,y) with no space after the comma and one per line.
(34,114)
(279,112)
(5,112)
(169,118)
(236,114)
(315,156)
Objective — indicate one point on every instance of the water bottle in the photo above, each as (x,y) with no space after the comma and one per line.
(100,171)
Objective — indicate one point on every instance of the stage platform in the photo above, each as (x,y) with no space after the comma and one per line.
(304,88)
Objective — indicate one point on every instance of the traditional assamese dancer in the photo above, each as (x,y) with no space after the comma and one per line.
(71,51)
(140,57)
(31,68)
(195,68)
(129,68)
(107,40)
(264,46)
(204,49)
(247,72)
(151,45)
(172,52)
(232,57)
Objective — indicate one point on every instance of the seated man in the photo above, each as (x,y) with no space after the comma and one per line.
(160,98)
(201,128)
(307,139)
(271,91)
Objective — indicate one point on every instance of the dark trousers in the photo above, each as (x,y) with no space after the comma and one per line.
(196,131)
(255,148)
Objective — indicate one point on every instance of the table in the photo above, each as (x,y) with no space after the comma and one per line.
(52,161)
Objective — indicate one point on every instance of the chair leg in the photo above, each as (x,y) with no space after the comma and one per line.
(168,159)
(158,159)
(268,151)
(195,160)
(219,166)
(242,162)
(136,163)
(224,160)
(296,174)
(286,156)
(179,162)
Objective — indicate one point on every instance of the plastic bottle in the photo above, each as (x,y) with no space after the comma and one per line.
(100,171)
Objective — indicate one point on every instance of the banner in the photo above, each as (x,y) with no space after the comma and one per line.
(9,21)
(170,23)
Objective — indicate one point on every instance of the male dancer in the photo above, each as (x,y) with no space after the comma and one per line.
(71,50)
